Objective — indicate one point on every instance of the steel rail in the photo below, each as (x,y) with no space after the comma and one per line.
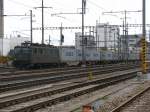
(130,100)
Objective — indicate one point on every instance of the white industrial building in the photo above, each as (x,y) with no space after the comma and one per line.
(107,36)
(6,44)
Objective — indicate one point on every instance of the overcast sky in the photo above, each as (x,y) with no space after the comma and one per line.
(93,13)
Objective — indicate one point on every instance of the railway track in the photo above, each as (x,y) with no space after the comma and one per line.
(10,72)
(131,100)
(53,78)
(31,101)
(6,69)
(42,73)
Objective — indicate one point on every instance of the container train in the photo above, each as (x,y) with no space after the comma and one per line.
(29,55)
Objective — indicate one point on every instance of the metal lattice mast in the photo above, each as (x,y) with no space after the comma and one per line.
(83,47)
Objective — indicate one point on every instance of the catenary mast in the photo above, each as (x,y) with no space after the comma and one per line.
(1,19)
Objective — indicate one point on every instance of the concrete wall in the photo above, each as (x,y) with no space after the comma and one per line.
(6,46)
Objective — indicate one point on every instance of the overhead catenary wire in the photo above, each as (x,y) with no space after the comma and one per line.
(26,6)
(20,3)
(98,6)
(32,7)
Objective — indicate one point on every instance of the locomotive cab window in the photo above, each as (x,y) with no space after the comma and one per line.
(51,52)
(26,50)
(69,53)
(40,51)
(17,50)
(35,51)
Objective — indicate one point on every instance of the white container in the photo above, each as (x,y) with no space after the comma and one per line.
(106,56)
(90,55)
(68,55)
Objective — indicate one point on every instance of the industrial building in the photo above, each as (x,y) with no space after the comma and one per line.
(9,43)
(107,36)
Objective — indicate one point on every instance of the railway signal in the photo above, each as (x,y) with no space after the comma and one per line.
(61,36)
(62,39)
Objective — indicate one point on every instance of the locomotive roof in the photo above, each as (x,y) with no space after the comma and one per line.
(37,45)
(29,45)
